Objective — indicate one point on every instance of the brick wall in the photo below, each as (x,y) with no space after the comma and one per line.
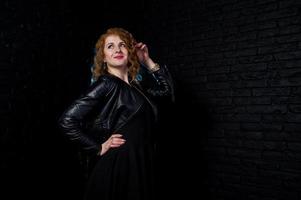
(46,50)
(240,59)
(236,65)
(37,58)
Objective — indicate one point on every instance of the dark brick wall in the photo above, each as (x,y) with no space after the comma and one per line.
(46,54)
(37,59)
(241,61)
(236,65)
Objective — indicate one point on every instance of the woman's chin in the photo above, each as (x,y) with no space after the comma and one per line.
(119,65)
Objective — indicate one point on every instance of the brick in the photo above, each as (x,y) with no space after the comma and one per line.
(274,135)
(265,164)
(233,77)
(243,153)
(290,167)
(290,73)
(268,33)
(277,48)
(285,82)
(269,118)
(218,70)
(289,20)
(278,174)
(267,109)
(288,38)
(273,156)
(294,146)
(260,127)
(277,14)
(293,156)
(266,25)
(271,91)
(255,59)
(294,109)
(259,181)
(227,178)
(247,36)
(253,144)
(292,127)
(230,54)
(248,52)
(222,93)
(253,75)
(188,72)
(275,145)
(241,92)
(294,100)
(217,77)
(287,4)
(253,135)
(249,84)
(227,47)
(221,101)
(224,142)
(229,126)
(218,85)
(288,55)
(284,64)
(296,91)
(290,30)
(241,118)
(233,133)
(196,80)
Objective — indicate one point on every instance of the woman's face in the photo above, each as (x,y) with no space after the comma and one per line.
(115,52)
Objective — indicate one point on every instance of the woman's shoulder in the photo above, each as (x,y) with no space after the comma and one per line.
(104,83)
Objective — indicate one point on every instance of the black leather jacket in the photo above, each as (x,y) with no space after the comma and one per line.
(107,106)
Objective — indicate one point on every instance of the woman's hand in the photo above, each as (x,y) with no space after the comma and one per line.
(114,141)
(143,55)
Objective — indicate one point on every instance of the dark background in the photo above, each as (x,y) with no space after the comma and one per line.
(234,131)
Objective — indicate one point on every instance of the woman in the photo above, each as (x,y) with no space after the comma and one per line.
(115,119)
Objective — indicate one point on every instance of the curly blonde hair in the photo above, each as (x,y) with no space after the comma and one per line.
(133,63)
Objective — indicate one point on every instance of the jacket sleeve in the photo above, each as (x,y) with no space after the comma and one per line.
(70,122)
(163,83)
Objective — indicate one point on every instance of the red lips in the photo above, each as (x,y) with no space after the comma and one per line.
(119,57)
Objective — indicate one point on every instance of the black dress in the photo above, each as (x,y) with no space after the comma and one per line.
(127,172)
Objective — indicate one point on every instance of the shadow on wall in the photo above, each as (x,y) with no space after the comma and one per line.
(184,126)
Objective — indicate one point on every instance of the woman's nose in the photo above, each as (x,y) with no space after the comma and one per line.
(118,49)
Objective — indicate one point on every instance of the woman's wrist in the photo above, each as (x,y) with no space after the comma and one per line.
(151,65)
(102,149)
(154,68)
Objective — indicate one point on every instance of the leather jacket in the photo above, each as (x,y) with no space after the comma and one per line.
(107,106)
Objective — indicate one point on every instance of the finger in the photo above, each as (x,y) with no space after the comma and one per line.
(120,141)
(116,135)
(138,45)
(143,46)
(114,145)
(117,143)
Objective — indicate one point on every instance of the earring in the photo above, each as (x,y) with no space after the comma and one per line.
(104,65)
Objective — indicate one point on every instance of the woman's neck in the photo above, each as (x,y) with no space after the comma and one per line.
(121,73)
